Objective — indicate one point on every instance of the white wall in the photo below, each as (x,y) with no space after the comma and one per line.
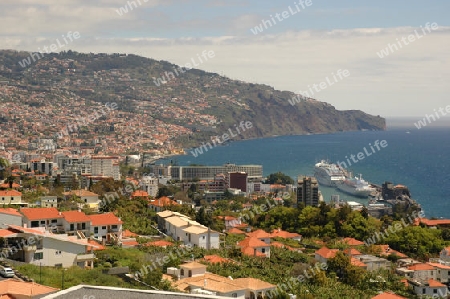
(10,219)
(59,252)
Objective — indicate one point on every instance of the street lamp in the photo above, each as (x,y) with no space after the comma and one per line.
(62,279)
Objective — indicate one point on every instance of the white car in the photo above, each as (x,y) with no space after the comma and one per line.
(7,272)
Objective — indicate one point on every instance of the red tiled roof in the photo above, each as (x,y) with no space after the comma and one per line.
(10,211)
(284,234)
(105,219)
(435,222)
(386,251)
(352,251)
(357,263)
(10,193)
(252,242)
(130,243)
(226,218)
(421,267)
(96,246)
(327,253)
(128,234)
(5,232)
(215,259)
(163,202)
(40,213)
(435,284)
(75,216)
(388,296)
(15,289)
(235,231)
(139,193)
(6,185)
(353,242)
(260,234)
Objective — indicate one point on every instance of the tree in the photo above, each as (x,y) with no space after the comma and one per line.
(279,178)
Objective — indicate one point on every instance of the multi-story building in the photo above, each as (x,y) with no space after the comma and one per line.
(307,191)
(150,185)
(105,166)
(238,180)
(207,172)
(41,166)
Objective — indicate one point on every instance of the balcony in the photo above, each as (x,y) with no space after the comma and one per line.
(85,257)
(30,248)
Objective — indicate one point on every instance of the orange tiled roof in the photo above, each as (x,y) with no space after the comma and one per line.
(235,231)
(130,243)
(327,253)
(139,193)
(215,259)
(284,234)
(163,202)
(6,185)
(128,234)
(260,234)
(252,242)
(10,193)
(75,216)
(421,267)
(435,222)
(352,251)
(16,288)
(96,246)
(386,250)
(40,213)
(353,242)
(281,245)
(357,263)
(10,211)
(435,284)
(105,219)
(388,296)
(5,233)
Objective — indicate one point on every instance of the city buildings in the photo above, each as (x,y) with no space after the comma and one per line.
(307,191)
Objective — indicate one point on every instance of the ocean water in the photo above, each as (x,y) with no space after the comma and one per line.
(419,159)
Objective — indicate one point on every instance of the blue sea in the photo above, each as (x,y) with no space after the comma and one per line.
(417,158)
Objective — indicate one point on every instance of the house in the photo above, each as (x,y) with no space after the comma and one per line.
(46,218)
(11,197)
(252,246)
(174,226)
(139,194)
(420,272)
(373,262)
(160,204)
(254,288)
(230,221)
(87,197)
(430,288)
(261,235)
(197,281)
(49,201)
(10,216)
(442,272)
(386,251)
(192,269)
(106,227)
(435,223)
(201,236)
(76,223)
(235,231)
(278,233)
(13,288)
(162,219)
(324,254)
(44,248)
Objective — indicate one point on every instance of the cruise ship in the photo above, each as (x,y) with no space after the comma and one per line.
(356,187)
(329,174)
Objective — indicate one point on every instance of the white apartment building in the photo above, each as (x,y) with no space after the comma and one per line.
(105,166)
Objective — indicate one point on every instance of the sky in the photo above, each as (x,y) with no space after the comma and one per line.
(309,42)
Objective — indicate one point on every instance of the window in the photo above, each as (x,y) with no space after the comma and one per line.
(190,273)
(83,225)
(12,198)
(103,227)
(234,295)
(204,237)
(182,272)
(263,250)
(43,222)
(58,252)
(72,227)
(54,220)
(58,265)
(114,226)
(85,200)
(3,198)
(38,255)
(423,291)
(435,291)
(95,230)
(34,223)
